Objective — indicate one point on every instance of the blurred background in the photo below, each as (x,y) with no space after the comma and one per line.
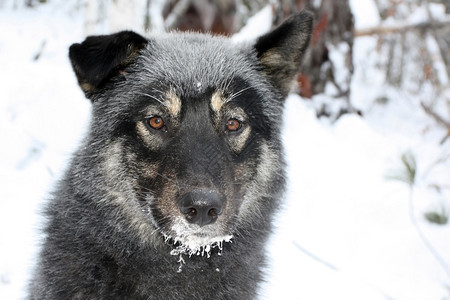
(367,135)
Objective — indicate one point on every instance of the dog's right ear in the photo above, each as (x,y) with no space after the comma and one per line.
(99,58)
(280,51)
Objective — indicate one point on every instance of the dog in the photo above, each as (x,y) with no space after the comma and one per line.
(173,191)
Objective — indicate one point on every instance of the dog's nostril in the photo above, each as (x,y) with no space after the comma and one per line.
(192,212)
(201,207)
(213,212)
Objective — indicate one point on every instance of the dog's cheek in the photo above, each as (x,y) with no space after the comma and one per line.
(259,180)
(149,171)
(120,189)
(164,207)
(237,143)
(243,174)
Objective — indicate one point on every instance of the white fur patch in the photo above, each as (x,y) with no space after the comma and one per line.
(194,243)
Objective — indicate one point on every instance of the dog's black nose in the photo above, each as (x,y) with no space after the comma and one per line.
(201,207)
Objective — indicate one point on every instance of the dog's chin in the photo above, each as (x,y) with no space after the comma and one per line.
(202,246)
(195,240)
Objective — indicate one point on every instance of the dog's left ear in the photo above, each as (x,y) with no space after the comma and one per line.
(99,58)
(280,51)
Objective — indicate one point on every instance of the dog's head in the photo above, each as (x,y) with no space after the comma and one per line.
(186,127)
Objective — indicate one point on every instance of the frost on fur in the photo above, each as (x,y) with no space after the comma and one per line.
(188,241)
(192,245)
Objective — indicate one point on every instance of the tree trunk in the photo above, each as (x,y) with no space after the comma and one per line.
(329,58)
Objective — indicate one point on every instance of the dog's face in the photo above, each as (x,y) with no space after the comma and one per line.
(186,127)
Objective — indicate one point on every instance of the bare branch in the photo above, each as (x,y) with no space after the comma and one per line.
(381,30)
(435,115)
(438,118)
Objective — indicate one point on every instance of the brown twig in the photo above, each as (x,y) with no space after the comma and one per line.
(438,118)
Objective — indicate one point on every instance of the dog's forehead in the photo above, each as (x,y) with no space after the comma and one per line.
(194,63)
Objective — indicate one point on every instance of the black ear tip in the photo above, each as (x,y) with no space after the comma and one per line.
(74,50)
(97,58)
(131,35)
(306,15)
(303,18)
(76,54)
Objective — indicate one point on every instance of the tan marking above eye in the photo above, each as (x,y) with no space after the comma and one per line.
(173,103)
(217,101)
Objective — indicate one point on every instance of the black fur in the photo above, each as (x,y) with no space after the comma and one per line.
(281,50)
(96,59)
(116,228)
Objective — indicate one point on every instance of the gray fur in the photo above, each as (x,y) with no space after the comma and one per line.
(115,230)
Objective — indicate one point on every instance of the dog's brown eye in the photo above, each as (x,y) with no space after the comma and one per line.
(155,122)
(233,125)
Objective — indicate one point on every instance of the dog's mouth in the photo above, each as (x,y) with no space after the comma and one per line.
(201,233)
(200,246)
(195,240)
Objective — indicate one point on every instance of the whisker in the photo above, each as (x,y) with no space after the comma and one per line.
(227,83)
(234,95)
(145,190)
(154,98)
(177,185)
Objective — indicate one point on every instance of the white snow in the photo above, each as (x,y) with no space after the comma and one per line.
(341,209)
(256,26)
(345,231)
(191,243)
(365,13)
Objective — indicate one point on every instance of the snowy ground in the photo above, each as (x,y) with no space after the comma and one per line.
(345,232)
